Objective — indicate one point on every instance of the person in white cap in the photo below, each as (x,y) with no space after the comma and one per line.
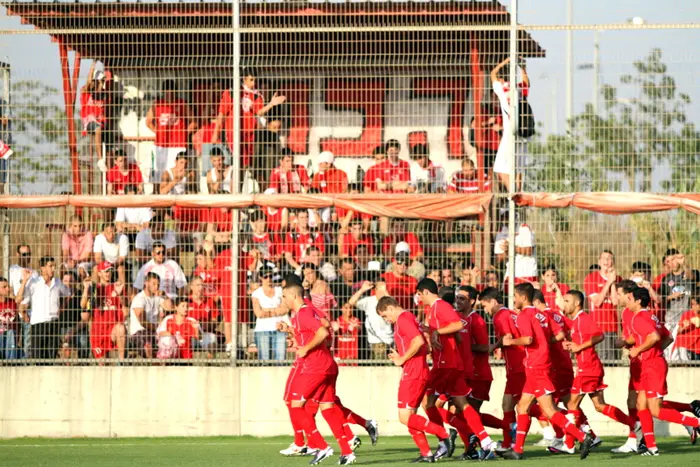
(329,179)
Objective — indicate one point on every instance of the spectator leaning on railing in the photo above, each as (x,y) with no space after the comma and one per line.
(113,247)
(172,279)
(77,246)
(123,174)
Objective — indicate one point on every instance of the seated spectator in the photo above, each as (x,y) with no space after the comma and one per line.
(298,240)
(466,180)
(107,303)
(525,261)
(426,177)
(347,329)
(9,321)
(380,335)
(398,234)
(179,181)
(147,309)
(552,290)
(176,332)
(369,180)
(219,176)
(156,232)
(688,336)
(344,284)
(219,224)
(392,175)
(400,285)
(289,177)
(131,221)
(123,174)
(172,279)
(329,179)
(277,219)
(317,289)
(315,256)
(345,216)
(262,244)
(348,241)
(77,245)
(113,247)
(363,258)
(204,270)
(267,145)
(269,309)
(203,310)
(74,321)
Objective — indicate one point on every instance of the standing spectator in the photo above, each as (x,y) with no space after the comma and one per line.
(347,328)
(24,261)
(344,284)
(315,256)
(131,221)
(425,176)
(289,177)
(74,321)
(435,275)
(218,223)
(203,310)
(219,176)
(400,285)
(92,112)
(345,216)
(156,232)
(687,342)
(469,276)
(525,260)
(317,289)
(676,289)
(122,174)
(641,275)
(8,323)
(399,234)
(501,165)
(599,287)
(466,180)
(169,118)
(267,146)
(43,295)
(329,179)
(277,218)
(172,279)
(369,180)
(177,331)
(447,277)
(113,247)
(269,310)
(146,310)
(253,109)
(348,241)
(298,240)
(552,290)
(363,258)
(263,245)
(204,270)
(392,175)
(107,303)
(379,333)
(76,245)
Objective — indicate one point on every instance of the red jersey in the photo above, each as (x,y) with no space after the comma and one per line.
(390,242)
(171,126)
(203,310)
(210,281)
(8,315)
(550,296)
(405,330)
(461,184)
(605,315)
(643,324)
(689,337)
(465,348)
(221,217)
(479,336)
(561,358)
(540,327)
(583,329)
(294,181)
(251,103)
(119,179)
(402,288)
(107,307)
(332,180)
(273,220)
(223,265)
(370,180)
(347,338)
(297,243)
(183,333)
(388,172)
(350,244)
(442,314)
(91,109)
(319,360)
(504,322)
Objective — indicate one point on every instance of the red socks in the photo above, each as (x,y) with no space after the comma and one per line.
(508,420)
(618,415)
(334,418)
(352,417)
(560,420)
(474,421)
(673,416)
(521,433)
(421,441)
(307,423)
(679,406)
(633,418)
(298,431)
(647,427)
(418,423)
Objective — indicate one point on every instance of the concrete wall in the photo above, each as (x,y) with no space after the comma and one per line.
(207,401)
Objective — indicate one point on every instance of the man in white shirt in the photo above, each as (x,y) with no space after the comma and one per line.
(24,259)
(171,276)
(132,220)
(147,309)
(113,247)
(146,238)
(380,335)
(525,260)
(43,296)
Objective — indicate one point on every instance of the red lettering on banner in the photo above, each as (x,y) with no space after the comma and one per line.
(456,89)
(360,95)
(298,95)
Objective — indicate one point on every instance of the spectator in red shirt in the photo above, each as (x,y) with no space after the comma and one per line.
(466,180)
(348,241)
(400,285)
(399,234)
(123,173)
(347,328)
(688,334)
(289,177)
(76,244)
(204,311)
(204,270)
(277,218)
(599,287)
(8,323)
(552,290)
(263,245)
(344,216)
(393,175)
(219,224)
(169,118)
(329,179)
(92,112)
(369,180)
(298,240)
(176,332)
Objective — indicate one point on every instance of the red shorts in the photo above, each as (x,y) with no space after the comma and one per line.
(480,389)
(448,381)
(538,383)
(291,381)
(653,380)
(515,382)
(101,339)
(635,375)
(563,381)
(411,393)
(315,387)
(588,384)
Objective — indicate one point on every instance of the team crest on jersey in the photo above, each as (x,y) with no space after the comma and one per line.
(542,319)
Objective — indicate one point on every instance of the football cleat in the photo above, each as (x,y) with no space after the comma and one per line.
(355,443)
(586,446)
(544,443)
(695,407)
(373,431)
(453,436)
(444,448)
(511,455)
(629,447)
(488,453)
(294,450)
(596,442)
(427,459)
(558,447)
(650,452)
(347,460)
(321,455)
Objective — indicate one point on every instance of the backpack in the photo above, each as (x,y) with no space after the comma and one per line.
(526,119)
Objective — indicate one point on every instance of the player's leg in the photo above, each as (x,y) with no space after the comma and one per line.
(647,422)
(298,447)
(418,436)
(411,393)
(611,411)
(670,415)
(334,417)
(508,406)
(557,418)
(573,407)
(467,413)
(523,421)
(370,426)
(305,388)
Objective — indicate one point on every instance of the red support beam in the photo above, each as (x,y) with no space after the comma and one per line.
(69,96)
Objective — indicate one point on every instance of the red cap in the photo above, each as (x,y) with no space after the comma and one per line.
(104,266)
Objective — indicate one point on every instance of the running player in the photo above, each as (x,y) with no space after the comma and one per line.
(537,331)
(410,354)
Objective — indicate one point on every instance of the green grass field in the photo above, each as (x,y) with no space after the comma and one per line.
(253,452)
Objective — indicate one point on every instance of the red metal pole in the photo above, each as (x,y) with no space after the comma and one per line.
(69,95)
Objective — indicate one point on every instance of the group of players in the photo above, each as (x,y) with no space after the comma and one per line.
(536,344)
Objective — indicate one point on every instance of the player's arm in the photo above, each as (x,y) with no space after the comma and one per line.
(494,72)
(413,348)
(648,343)
(523,72)
(559,337)
(666,341)
(592,342)
(451,328)
(318,339)
(498,344)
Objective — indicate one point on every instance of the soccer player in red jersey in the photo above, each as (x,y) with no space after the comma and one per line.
(504,323)
(410,353)
(649,341)
(104,299)
(537,331)
(447,376)
(585,335)
(318,376)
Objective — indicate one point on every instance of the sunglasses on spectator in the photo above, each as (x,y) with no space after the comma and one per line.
(267,276)
(159,252)
(25,253)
